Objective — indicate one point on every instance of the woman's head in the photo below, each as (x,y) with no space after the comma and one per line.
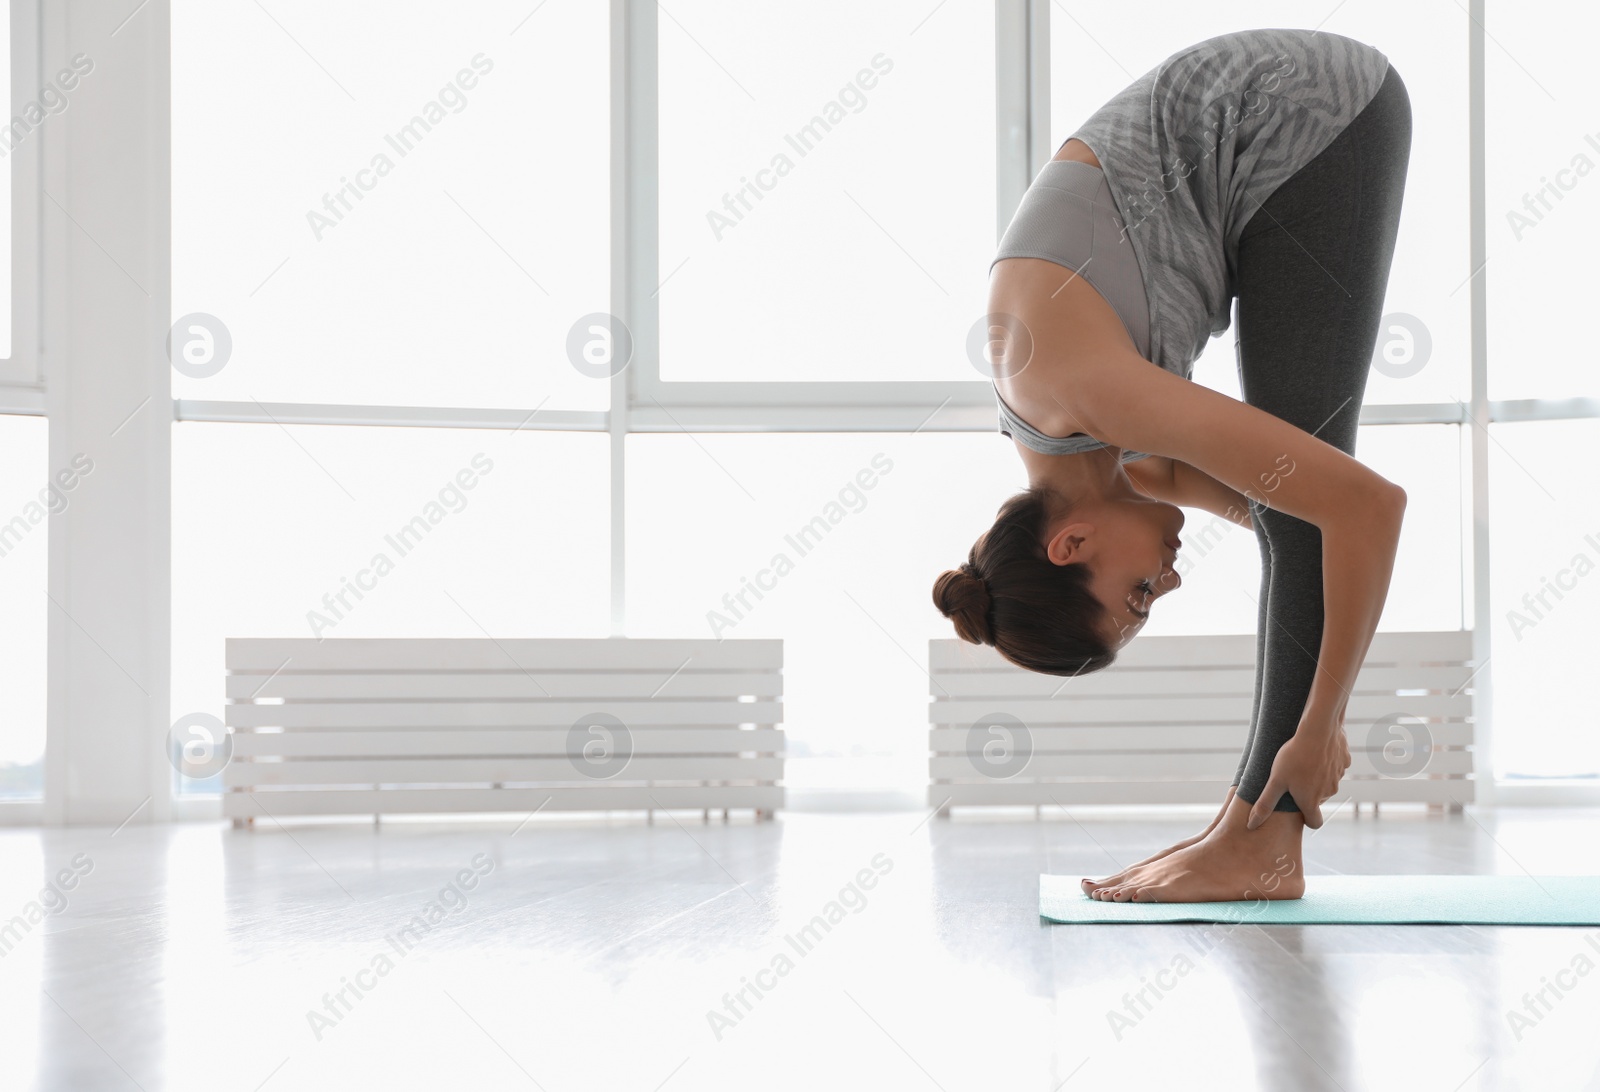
(1059,586)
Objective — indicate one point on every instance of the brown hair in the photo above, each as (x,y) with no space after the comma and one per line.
(1039,615)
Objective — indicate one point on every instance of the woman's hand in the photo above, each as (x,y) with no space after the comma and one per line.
(1309,768)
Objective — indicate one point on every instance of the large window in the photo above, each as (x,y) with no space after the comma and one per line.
(827,189)
(27,497)
(1543,205)
(28,493)
(1546,597)
(391,203)
(8,142)
(36,100)
(1542,209)
(377,206)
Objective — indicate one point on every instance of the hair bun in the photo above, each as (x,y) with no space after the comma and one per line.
(962,595)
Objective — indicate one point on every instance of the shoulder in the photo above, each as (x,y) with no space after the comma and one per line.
(1065,327)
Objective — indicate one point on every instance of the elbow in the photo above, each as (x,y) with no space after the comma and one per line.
(1392,499)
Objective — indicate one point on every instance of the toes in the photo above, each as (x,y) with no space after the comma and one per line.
(1124,893)
(1111,892)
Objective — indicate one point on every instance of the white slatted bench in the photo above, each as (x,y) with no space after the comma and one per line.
(1167,722)
(422,725)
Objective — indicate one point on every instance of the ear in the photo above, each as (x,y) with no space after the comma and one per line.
(1070,543)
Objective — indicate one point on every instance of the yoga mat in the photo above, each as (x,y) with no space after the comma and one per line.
(1357,900)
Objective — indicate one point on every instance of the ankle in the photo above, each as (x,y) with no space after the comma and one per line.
(1280,831)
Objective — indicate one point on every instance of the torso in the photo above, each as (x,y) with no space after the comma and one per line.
(1065,316)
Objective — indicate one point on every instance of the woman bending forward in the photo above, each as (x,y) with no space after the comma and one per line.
(1266,166)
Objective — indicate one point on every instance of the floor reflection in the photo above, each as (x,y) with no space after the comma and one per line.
(854,951)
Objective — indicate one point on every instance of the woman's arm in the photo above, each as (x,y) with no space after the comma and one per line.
(1125,400)
(1353,556)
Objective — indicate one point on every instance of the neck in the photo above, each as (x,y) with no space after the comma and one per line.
(1088,475)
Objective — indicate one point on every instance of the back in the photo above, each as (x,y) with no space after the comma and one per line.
(1194,146)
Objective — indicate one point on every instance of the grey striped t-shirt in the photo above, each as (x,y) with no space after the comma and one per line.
(1194,146)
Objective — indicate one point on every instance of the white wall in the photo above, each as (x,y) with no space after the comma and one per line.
(105,282)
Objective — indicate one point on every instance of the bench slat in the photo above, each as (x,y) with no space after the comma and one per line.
(441,771)
(268,654)
(644,715)
(1177,680)
(469,743)
(506,685)
(1166,737)
(1161,709)
(1139,765)
(282,803)
(1382,790)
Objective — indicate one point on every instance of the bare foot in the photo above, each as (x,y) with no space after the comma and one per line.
(1228,864)
(1091,886)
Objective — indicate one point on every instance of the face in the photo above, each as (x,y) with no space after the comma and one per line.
(1132,545)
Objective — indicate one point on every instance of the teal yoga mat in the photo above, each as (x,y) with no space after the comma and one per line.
(1357,900)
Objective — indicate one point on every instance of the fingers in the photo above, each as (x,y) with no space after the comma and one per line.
(1313,816)
(1263,805)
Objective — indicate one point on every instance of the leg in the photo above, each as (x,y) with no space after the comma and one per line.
(1313,267)
(1262,603)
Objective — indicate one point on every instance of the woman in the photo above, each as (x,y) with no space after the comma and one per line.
(1267,165)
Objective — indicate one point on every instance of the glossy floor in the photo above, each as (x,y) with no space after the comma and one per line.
(586,955)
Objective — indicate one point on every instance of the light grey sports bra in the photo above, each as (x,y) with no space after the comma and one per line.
(1025,434)
(1067,216)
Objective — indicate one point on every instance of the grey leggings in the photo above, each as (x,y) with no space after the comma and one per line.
(1313,267)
